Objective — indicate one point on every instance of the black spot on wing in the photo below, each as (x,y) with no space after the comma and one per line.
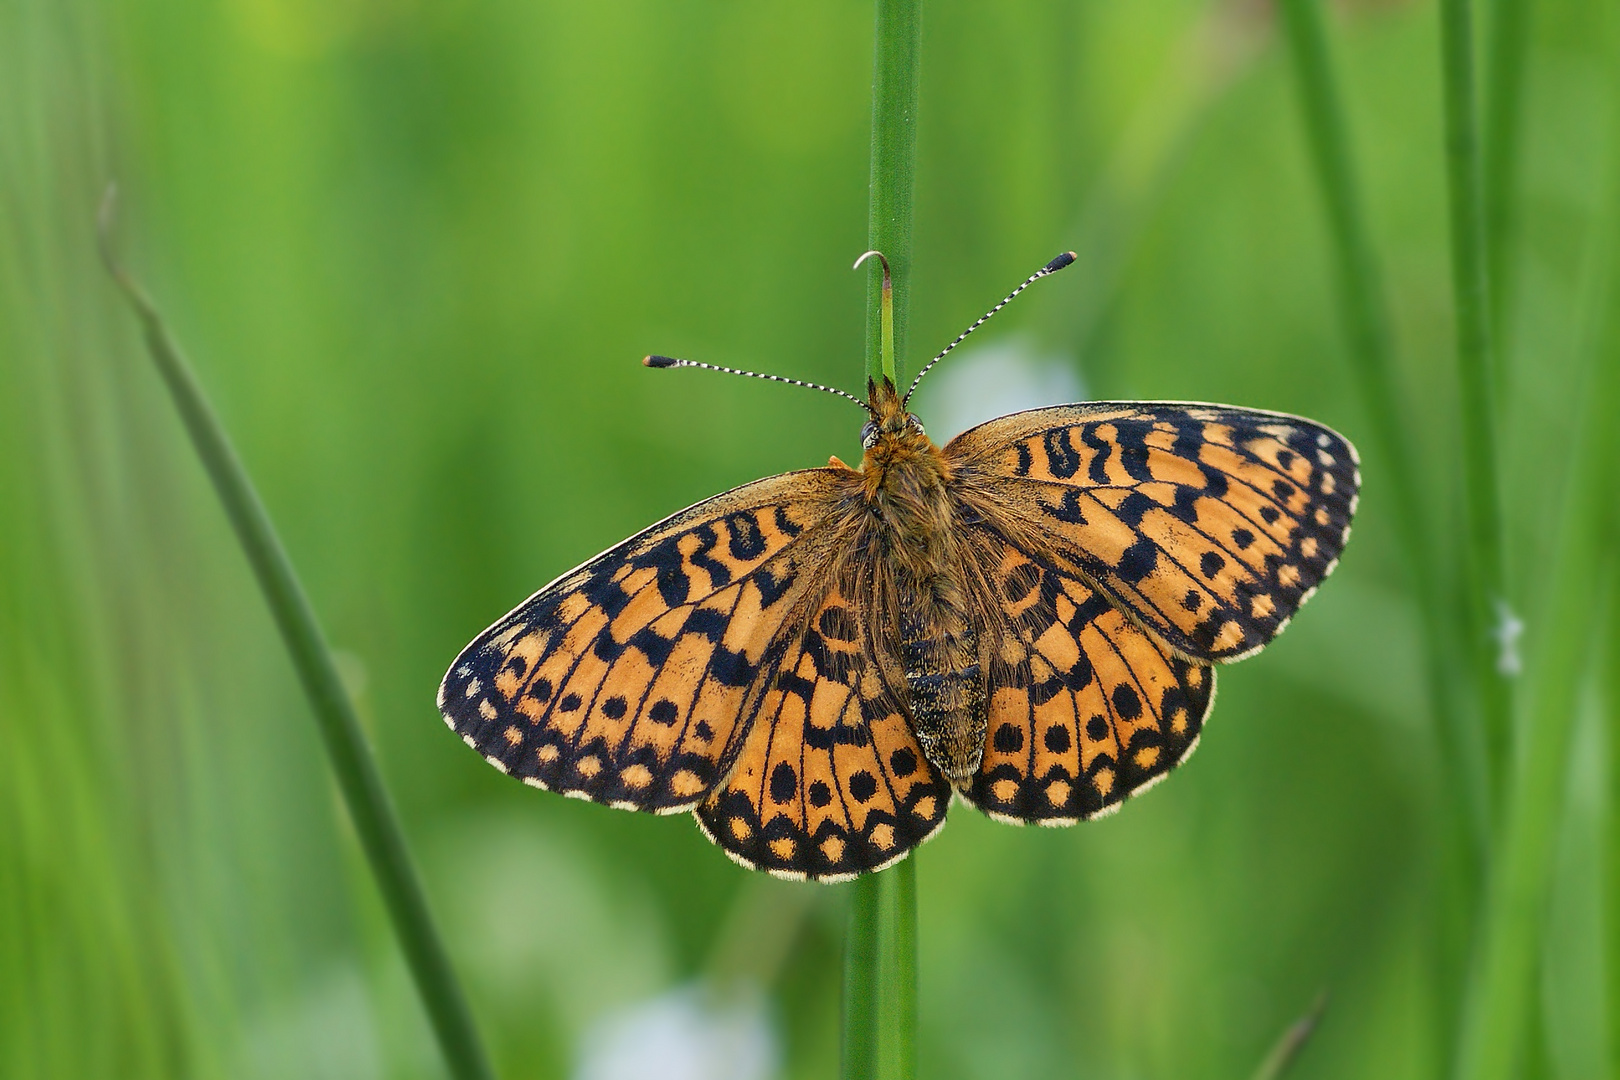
(731,668)
(603,592)
(784,782)
(1061,457)
(784,524)
(674,584)
(862,785)
(747,542)
(653,646)
(1067,508)
(772,584)
(719,573)
(605,647)
(1133,508)
(837,623)
(1133,451)
(1138,561)
(1008,739)
(707,622)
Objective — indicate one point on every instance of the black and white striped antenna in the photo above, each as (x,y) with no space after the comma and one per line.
(1050,268)
(671,362)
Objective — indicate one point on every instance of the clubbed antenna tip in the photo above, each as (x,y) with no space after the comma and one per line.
(660,361)
(1052,267)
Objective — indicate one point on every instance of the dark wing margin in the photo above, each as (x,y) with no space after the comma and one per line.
(831,781)
(630,679)
(1085,708)
(1209,525)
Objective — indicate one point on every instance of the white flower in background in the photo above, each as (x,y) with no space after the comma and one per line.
(689,1033)
(977,384)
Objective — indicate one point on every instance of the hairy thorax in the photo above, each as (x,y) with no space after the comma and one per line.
(907,485)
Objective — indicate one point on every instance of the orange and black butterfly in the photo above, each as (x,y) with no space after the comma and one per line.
(1028,617)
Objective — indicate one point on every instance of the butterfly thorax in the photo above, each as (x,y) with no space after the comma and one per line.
(908,491)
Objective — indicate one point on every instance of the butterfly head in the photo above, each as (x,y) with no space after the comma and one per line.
(889,415)
(892,438)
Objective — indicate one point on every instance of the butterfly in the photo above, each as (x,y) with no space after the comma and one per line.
(816,663)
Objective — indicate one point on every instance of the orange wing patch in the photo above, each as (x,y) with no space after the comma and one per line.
(1085,709)
(1211,525)
(830,782)
(627,680)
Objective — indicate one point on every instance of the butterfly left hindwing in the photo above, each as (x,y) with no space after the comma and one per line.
(831,781)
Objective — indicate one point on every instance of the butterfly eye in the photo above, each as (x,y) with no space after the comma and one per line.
(915,424)
(868,435)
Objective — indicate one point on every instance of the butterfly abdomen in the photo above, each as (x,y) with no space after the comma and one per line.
(946,691)
(908,484)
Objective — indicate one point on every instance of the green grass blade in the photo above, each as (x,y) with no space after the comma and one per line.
(1485,561)
(897,947)
(880,976)
(1509,47)
(355,770)
(1291,1042)
(896,76)
(858,1057)
(1610,691)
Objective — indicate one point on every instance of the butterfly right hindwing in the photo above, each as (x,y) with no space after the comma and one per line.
(1085,708)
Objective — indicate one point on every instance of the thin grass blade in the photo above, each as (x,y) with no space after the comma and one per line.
(353,766)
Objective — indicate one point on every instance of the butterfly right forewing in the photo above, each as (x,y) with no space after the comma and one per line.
(1209,525)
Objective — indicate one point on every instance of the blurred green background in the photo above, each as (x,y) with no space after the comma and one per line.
(416,249)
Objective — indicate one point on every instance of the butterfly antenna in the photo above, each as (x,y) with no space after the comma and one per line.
(672,362)
(1050,268)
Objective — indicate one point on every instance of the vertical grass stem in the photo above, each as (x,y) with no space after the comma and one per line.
(896,71)
(1509,44)
(1487,594)
(880,960)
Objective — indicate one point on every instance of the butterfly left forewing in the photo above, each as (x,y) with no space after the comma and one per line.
(1085,708)
(830,781)
(629,680)
(1209,525)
